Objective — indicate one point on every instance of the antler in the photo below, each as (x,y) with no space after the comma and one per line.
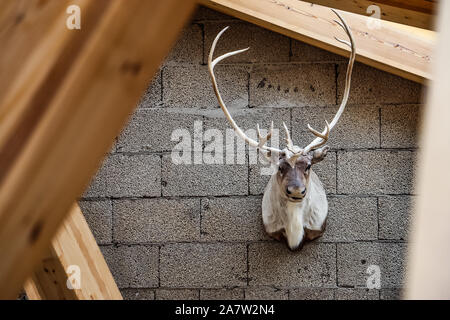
(323,137)
(261,144)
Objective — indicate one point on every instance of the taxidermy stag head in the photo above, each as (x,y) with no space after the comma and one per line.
(294,205)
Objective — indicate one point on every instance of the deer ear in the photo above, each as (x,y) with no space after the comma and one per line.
(319,154)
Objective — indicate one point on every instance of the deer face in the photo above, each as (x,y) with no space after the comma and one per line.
(294,172)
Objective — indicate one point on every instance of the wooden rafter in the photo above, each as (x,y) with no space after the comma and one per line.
(67,97)
(416,13)
(401,50)
(73,249)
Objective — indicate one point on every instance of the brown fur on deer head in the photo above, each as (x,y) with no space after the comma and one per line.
(294,172)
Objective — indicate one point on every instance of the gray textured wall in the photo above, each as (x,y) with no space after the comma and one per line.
(195,231)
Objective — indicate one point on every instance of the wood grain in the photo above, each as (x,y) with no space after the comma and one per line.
(402,50)
(80,86)
(416,13)
(73,245)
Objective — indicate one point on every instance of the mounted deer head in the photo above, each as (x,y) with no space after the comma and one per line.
(294,204)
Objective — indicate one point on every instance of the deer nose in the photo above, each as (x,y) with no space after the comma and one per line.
(296,190)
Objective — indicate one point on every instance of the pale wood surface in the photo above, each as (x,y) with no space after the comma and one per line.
(429,249)
(416,13)
(73,245)
(68,99)
(48,281)
(401,50)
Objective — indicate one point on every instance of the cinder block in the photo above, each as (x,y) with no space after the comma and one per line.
(272,264)
(265,45)
(358,126)
(391,294)
(203,265)
(98,215)
(375,172)
(399,126)
(266,293)
(190,86)
(293,85)
(222,294)
(257,180)
(133,266)
(152,97)
(351,219)
(134,175)
(356,261)
(357,294)
(206,14)
(151,130)
(229,219)
(311,294)
(156,220)
(177,294)
(394,214)
(97,187)
(189,46)
(247,120)
(203,179)
(138,294)
(303,52)
(325,170)
(370,86)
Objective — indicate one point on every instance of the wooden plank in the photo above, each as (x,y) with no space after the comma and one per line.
(48,281)
(20,30)
(401,50)
(73,249)
(429,252)
(416,13)
(72,96)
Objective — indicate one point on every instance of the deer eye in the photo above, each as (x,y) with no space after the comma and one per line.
(308,167)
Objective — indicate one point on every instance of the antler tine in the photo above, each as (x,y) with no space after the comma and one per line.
(324,136)
(290,144)
(261,138)
(338,22)
(211,64)
(344,42)
(321,135)
(321,138)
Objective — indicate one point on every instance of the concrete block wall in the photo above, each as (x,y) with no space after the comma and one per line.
(195,232)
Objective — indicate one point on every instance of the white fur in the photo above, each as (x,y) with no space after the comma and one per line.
(279,213)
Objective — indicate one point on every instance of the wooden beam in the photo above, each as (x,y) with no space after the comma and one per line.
(416,13)
(73,249)
(429,246)
(401,50)
(69,98)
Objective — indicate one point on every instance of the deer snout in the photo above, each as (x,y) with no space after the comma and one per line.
(296,191)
